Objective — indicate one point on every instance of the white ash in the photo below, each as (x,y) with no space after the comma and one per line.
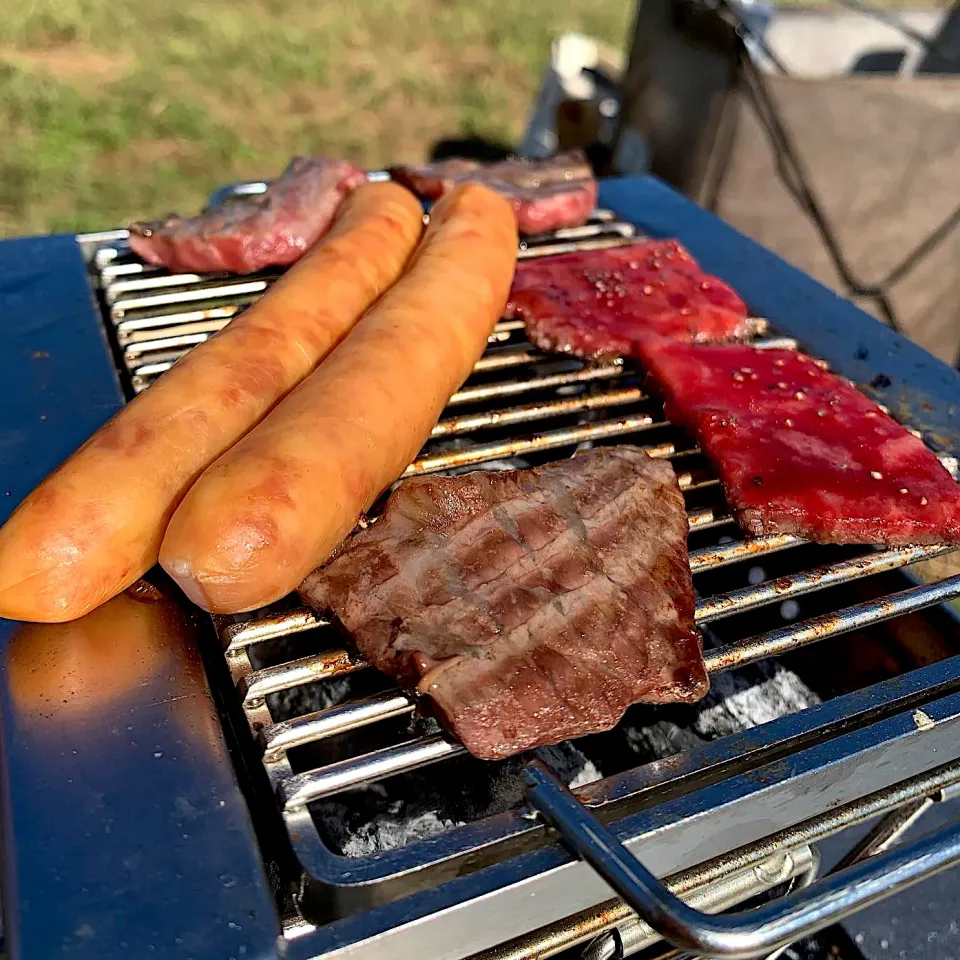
(742,706)
(569,764)
(373,821)
(452,444)
(308,699)
(735,702)
(661,739)
(394,829)
(589,774)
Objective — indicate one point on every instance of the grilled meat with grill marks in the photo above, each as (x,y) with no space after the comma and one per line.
(272,229)
(596,303)
(531,605)
(801,451)
(545,194)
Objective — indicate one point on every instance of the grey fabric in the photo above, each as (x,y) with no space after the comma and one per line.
(883,155)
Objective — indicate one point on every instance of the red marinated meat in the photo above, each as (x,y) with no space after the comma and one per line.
(802,451)
(530,606)
(272,229)
(546,194)
(597,303)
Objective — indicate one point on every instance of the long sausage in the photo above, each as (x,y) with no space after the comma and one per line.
(262,517)
(95,524)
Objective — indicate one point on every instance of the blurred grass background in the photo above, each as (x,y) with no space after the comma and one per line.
(116,109)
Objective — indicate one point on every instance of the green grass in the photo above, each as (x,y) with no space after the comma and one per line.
(116,109)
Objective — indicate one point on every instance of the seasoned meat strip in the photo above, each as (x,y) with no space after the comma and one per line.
(595,303)
(545,194)
(802,451)
(530,606)
(272,229)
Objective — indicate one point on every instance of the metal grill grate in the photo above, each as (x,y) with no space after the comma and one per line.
(158,316)
(519,403)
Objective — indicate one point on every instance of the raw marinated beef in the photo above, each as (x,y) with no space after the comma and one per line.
(597,303)
(531,605)
(272,229)
(546,194)
(801,451)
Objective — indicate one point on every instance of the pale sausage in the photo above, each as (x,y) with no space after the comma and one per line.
(95,525)
(269,510)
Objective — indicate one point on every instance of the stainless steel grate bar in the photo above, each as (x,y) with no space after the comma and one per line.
(547,440)
(270,627)
(749,598)
(143,341)
(211,285)
(711,558)
(183,340)
(529,252)
(120,308)
(785,639)
(303,788)
(144,376)
(610,370)
(332,663)
(111,270)
(505,359)
(453,426)
(327,723)
(174,321)
(706,519)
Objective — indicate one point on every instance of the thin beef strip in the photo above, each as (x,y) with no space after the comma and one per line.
(272,229)
(546,194)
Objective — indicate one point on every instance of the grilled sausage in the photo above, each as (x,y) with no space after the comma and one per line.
(95,525)
(262,517)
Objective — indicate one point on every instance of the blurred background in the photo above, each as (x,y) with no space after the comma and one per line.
(116,110)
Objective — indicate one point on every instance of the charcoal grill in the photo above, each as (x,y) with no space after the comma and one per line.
(158,852)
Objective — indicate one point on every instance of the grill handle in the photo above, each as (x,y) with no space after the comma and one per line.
(738,937)
(254,188)
(234,190)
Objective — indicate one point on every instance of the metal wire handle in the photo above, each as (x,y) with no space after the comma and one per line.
(233,190)
(743,936)
(253,188)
